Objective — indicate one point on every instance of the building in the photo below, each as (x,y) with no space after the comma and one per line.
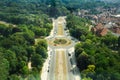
(99,30)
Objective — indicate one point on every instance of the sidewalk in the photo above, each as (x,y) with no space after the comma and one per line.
(44,72)
(75,68)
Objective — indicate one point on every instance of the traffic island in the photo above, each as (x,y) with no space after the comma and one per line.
(60,42)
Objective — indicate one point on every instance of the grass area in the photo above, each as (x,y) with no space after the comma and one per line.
(37,40)
(60,41)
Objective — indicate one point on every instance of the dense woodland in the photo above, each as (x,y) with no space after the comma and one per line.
(97,57)
(28,22)
(25,23)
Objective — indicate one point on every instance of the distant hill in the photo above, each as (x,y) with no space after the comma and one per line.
(64,1)
(24,0)
(113,1)
(49,0)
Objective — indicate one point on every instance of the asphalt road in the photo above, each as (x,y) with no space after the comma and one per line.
(72,72)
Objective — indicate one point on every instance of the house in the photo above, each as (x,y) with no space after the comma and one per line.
(103,32)
(99,30)
(116,30)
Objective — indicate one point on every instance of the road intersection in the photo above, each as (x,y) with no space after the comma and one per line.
(60,64)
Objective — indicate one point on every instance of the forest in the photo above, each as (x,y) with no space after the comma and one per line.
(25,23)
(22,32)
(97,57)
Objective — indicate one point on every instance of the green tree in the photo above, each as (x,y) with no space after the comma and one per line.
(110,40)
(48,27)
(14,77)
(16,29)
(24,70)
(78,51)
(37,61)
(40,32)
(6,43)
(89,47)
(21,52)
(53,3)
(2,28)
(82,37)
(78,45)
(29,36)
(18,39)
(83,61)
(101,60)
(11,57)
(43,43)
(119,41)
(20,66)
(4,67)
(30,52)
(42,51)
(87,78)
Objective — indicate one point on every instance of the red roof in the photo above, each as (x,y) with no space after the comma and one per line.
(99,29)
(103,32)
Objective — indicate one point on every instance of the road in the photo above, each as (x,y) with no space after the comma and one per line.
(60,64)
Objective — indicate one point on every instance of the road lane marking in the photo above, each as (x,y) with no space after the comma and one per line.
(61,68)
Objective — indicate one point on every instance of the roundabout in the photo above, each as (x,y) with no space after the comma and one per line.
(59,42)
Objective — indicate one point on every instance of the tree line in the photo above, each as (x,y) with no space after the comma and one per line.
(97,57)
(17,42)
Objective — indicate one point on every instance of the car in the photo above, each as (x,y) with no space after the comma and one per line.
(50,53)
(71,61)
(69,54)
(72,38)
(65,29)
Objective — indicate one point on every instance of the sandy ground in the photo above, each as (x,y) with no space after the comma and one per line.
(29,65)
